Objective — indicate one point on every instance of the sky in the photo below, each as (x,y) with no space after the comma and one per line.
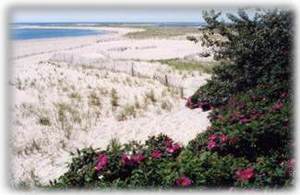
(108,15)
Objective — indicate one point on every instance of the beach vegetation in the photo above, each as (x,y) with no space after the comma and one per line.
(190,65)
(19,84)
(127,111)
(32,147)
(67,116)
(161,32)
(251,50)
(249,144)
(192,38)
(33,83)
(174,91)
(94,100)
(44,120)
(166,105)
(128,81)
(103,91)
(150,96)
(114,98)
(75,95)
(251,97)
(136,102)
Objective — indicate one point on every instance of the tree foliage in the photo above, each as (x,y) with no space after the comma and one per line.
(254,50)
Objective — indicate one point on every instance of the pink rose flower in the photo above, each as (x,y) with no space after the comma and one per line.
(137,158)
(125,159)
(245,174)
(284,95)
(211,145)
(168,141)
(213,137)
(277,106)
(156,154)
(132,160)
(223,138)
(184,181)
(291,166)
(244,120)
(101,162)
(173,148)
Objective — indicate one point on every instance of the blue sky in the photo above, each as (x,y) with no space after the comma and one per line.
(109,15)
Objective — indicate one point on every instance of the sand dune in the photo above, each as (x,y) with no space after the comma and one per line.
(71,93)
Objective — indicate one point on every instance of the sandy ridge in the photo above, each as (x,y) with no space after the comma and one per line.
(59,107)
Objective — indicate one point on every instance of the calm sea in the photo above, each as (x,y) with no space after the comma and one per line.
(26,31)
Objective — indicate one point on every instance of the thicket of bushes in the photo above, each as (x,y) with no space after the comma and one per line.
(249,143)
(257,51)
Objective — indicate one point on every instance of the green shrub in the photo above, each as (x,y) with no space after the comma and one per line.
(258,49)
(254,125)
(158,164)
(129,165)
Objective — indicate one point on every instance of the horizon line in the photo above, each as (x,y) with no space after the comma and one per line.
(147,22)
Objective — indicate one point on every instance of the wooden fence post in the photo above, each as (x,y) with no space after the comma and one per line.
(166,80)
(132,70)
(181,92)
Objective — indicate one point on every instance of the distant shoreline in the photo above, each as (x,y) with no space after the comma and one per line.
(90,29)
(103,24)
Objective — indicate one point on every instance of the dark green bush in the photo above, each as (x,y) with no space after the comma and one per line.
(256,51)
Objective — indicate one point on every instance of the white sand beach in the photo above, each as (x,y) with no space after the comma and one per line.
(75,92)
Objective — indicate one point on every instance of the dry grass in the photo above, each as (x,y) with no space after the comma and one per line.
(94,100)
(114,98)
(151,96)
(66,117)
(166,105)
(43,120)
(127,112)
(75,95)
(190,65)
(161,32)
(136,102)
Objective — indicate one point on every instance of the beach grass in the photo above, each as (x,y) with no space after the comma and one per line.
(190,65)
(161,32)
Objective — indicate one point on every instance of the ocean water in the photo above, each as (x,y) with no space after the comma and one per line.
(42,33)
(162,24)
(24,31)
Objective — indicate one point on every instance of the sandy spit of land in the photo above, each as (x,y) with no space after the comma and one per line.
(63,98)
